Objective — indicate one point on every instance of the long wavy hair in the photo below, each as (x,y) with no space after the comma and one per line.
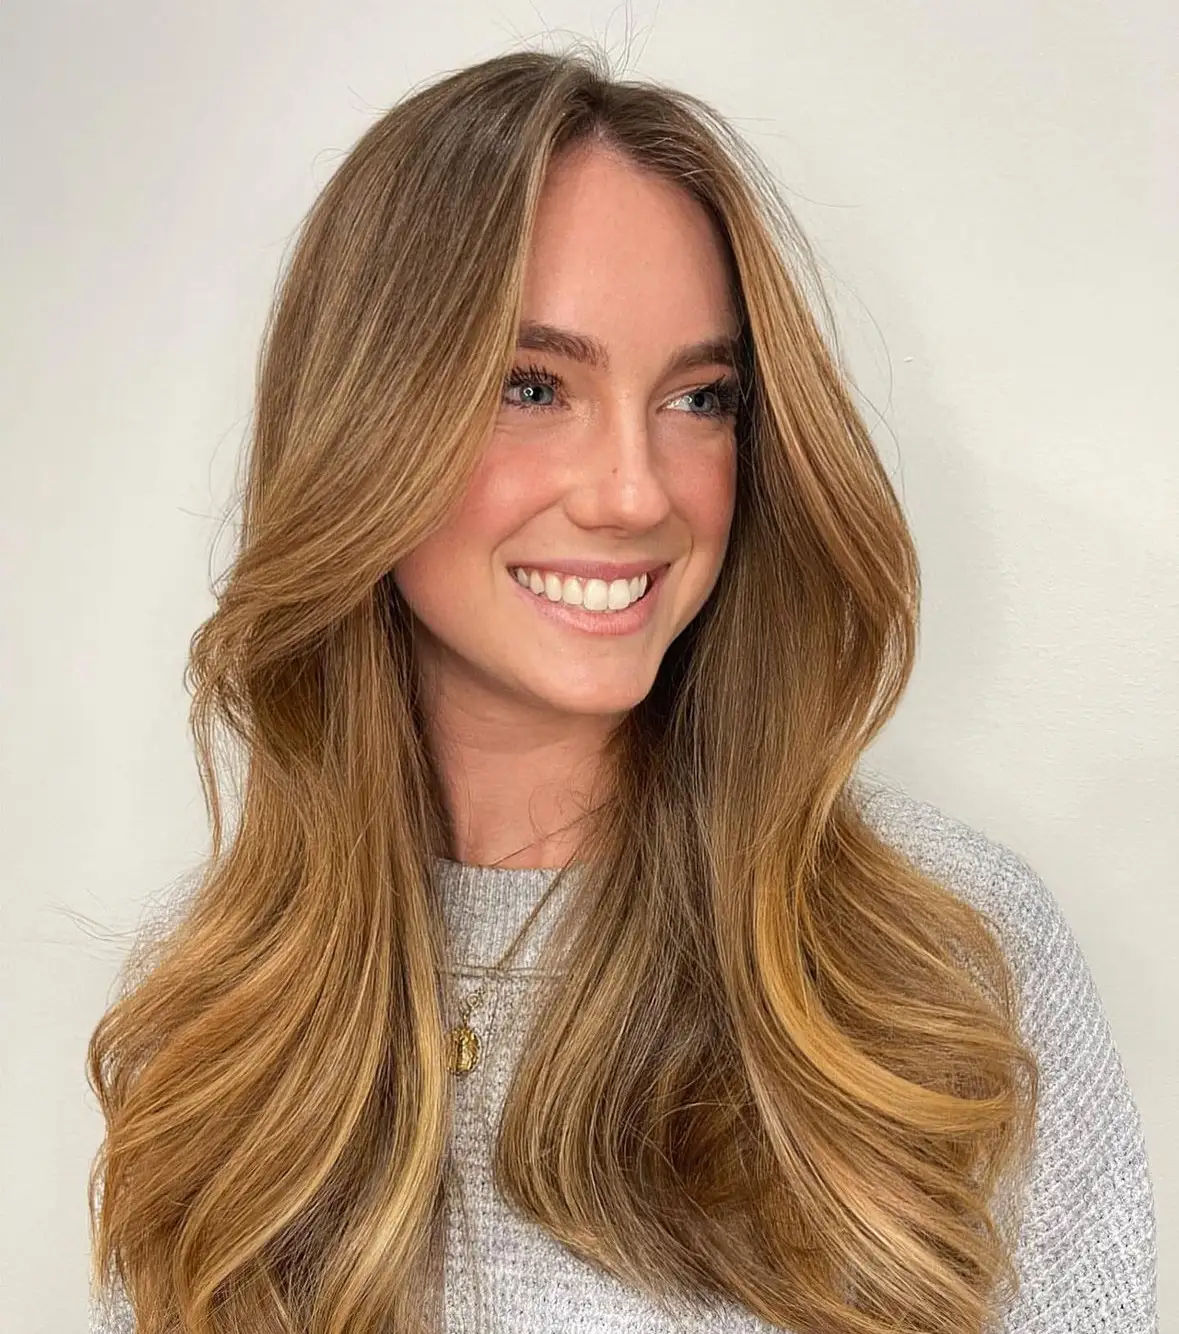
(782,1067)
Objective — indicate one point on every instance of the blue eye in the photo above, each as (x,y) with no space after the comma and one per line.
(724,394)
(533,384)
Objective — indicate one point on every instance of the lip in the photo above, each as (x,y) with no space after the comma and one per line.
(593,569)
(626,622)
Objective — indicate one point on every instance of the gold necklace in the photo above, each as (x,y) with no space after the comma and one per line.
(463,1043)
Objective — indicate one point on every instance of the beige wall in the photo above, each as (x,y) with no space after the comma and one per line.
(989,186)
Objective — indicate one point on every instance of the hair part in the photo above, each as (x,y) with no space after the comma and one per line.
(782,1066)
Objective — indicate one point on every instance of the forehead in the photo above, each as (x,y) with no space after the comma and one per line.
(616,246)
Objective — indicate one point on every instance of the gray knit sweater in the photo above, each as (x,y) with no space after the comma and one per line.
(1086,1255)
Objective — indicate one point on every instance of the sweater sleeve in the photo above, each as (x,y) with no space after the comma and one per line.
(1086,1255)
(1086,1247)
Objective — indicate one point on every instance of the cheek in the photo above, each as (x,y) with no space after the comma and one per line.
(422,575)
(503,494)
(704,492)
(454,560)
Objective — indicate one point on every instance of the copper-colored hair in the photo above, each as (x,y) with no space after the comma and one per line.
(782,1065)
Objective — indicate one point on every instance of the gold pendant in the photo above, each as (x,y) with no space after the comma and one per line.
(464,1049)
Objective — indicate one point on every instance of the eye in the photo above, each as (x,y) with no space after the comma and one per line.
(721,398)
(538,388)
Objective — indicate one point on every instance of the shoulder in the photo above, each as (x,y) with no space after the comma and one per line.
(981,870)
(1087,1245)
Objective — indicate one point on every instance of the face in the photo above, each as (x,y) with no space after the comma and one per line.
(613,458)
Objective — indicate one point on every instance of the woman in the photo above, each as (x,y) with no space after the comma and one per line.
(561,972)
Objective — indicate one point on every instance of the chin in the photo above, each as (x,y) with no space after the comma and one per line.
(598,698)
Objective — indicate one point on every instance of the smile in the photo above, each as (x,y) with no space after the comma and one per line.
(620,606)
(594,595)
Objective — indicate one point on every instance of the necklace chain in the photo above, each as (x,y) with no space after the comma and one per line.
(462,1040)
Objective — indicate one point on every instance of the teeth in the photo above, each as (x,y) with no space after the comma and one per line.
(589,594)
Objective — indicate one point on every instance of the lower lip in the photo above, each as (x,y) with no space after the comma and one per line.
(625,622)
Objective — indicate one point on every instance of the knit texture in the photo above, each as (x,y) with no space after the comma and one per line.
(1087,1250)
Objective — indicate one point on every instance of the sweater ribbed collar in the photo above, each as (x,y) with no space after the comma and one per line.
(485,906)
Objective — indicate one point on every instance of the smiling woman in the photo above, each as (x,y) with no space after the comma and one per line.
(570,592)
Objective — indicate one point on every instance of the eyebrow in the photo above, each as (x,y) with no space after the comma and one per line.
(535,337)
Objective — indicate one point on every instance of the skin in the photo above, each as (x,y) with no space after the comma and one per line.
(615,464)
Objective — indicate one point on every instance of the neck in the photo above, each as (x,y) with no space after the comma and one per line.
(517,785)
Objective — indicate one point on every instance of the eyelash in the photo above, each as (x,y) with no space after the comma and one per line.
(725,388)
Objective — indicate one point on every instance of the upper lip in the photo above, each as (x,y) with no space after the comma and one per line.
(594,569)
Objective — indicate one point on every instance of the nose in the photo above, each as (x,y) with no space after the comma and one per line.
(619,480)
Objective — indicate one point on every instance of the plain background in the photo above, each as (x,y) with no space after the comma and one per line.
(991,185)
